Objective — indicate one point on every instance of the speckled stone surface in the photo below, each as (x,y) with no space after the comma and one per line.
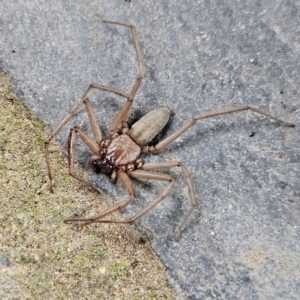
(4,262)
(243,242)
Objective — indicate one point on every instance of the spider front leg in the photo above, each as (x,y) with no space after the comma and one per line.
(138,55)
(123,114)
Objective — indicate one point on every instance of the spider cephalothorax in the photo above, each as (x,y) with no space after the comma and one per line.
(118,157)
(121,153)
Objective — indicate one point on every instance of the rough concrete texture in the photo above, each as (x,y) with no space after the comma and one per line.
(243,241)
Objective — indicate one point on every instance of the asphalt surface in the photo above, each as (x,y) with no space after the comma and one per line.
(243,241)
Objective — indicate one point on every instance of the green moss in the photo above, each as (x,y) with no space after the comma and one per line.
(22,235)
(28,260)
(119,268)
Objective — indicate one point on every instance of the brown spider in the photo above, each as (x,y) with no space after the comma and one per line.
(118,157)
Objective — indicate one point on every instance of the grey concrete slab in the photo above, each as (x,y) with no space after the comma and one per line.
(243,241)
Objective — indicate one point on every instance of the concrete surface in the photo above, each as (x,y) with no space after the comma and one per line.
(243,241)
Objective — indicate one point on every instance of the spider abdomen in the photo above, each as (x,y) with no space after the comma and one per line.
(145,129)
(122,150)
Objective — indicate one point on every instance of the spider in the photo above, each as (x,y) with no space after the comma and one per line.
(119,156)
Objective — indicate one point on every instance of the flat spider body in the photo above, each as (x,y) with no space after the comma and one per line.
(121,152)
(118,157)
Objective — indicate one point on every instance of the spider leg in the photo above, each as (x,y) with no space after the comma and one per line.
(185,127)
(71,145)
(123,114)
(138,55)
(130,190)
(141,174)
(187,177)
(94,124)
(121,117)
